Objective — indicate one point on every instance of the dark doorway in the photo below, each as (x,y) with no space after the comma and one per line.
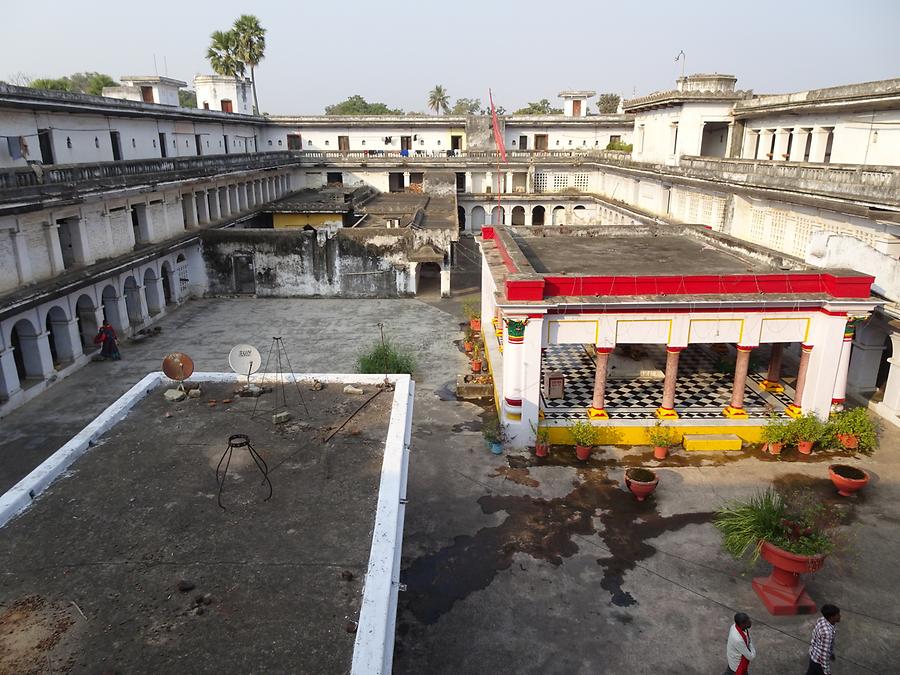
(227,144)
(162,145)
(226,105)
(829,143)
(244,278)
(808,146)
(405,143)
(295,142)
(537,216)
(461,217)
(523,142)
(147,94)
(456,143)
(576,108)
(429,281)
(116,145)
(46,143)
(395,182)
(460,182)
(541,142)
(344,143)
(197,144)
(335,178)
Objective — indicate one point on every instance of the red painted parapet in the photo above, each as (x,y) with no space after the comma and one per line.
(525,289)
(487,233)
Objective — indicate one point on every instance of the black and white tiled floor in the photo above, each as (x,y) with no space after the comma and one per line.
(701,393)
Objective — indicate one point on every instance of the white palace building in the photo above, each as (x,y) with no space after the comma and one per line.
(742,259)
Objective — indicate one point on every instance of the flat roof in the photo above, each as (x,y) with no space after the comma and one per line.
(98,568)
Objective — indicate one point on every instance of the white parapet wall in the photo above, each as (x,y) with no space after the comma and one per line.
(373,649)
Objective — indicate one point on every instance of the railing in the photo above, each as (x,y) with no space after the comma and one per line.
(39,178)
(460,156)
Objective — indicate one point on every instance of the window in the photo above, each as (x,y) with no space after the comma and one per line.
(675,138)
(581,181)
(615,139)
(560,181)
(540,182)
(96,142)
(68,142)
(226,105)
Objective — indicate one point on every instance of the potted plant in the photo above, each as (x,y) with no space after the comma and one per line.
(541,440)
(794,533)
(476,359)
(805,431)
(775,434)
(854,429)
(661,438)
(469,340)
(585,436)
(847,479)
(473,314)
(641,482)
(493,434)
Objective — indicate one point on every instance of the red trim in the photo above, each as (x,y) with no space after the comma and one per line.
(531,289)
(836,401)
(730,284)
(585,309)
(507,260)
(746,348)
(605,350)
(487,233)
(806,347)
(515,402)
(674,350)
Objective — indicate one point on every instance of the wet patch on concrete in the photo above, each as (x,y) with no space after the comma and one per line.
(561,455)
(824,492)
(30,630)
(545,529)
(520,476)
(446,392)
(471,425)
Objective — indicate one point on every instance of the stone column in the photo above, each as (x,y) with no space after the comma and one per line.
(68,327)
(514,334)
(36,355)
(202,207)
(753,141)
(798,146)
(817,147)
(258,198)
(189,207)
(54,249)
(865,358)
(735,410)
(796,408)
(781,143)
(468,181)
(765,142)
(9,377)
(892,387)
(213,203)
(23,261)
(488,180)
(666,411)
(597,411)
(840,381)
(772,383)
(509,181)
(242,197)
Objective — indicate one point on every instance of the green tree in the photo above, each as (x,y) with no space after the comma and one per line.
(466,106)
(541,107)
(187,98)
(250,47)
(608,104)
(91,83)
(52,84)
(357,105)
(439,100)
(222,54)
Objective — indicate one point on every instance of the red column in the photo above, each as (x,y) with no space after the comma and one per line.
(597,411)
(796,408)
(667,410)
(736,410)
(772,383)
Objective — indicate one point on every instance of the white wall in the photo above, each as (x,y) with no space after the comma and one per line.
(659,144)
(211,90)
(566,137)
(428,140)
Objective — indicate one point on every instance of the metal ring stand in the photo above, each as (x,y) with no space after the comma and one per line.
(241,441)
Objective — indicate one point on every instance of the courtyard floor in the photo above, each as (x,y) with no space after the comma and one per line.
(514,567)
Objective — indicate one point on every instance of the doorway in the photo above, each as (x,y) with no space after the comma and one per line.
(46,143)
(226,105)
(460,183)
(395,182)
(244,278)
(162,145)
(461,218)
(456,143)
(576,108)
(147,94)
(344,143)
(523,142)
(197,144)
(541,142)
(116,145)
(405,143)
(295,142)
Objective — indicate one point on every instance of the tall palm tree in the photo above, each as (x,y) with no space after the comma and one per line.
(439,100)
(222,55)
(250,43)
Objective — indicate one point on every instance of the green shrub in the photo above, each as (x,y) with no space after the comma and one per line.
(806,428)
(661,436)
(490,428)
(776,430)
(584,433)
(619,145)
(386,358)
(854,422)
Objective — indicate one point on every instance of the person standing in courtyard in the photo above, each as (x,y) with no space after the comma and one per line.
(109,342)
(821,647)
(739,650)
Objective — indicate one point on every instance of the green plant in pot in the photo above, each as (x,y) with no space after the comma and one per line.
(775,434)
(661,438)
(476,359)
(793,532)
(585,436)
(472,312)
(541,440)
(854,430)
(493,434)
(805,431)
(469,340)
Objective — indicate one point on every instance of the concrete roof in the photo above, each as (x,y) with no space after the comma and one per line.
(157,79)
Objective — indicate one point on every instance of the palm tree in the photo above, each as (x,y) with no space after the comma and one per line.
(222,55)
(250,44)
(439,100)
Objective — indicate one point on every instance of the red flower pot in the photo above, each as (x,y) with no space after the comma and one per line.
(475,325)
(541,449)
(775,448)
(805,447)
(582,452)
(782,592)
(660,452)
(476,366)
(848,441)
(641,489)
(848,483)
(468,346)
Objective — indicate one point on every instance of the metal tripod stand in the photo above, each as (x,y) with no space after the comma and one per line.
(278,348)
(241,441)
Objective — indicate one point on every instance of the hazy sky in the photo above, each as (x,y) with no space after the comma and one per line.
(395,51)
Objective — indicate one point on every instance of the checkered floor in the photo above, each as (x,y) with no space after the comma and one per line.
(701,393)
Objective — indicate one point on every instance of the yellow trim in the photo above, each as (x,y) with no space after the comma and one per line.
(739,321)
(513,416)
(597,413)
(617,435)
(666,414)
(794,411)
(596,323)
(733,413)
(668,321)
(788,318)
(771,387)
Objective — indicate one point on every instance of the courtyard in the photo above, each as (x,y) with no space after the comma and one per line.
(511,565)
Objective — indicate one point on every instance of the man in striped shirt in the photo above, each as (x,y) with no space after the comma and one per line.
(821,648)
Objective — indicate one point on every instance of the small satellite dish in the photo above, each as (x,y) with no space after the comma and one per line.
(178,366)
(244,360)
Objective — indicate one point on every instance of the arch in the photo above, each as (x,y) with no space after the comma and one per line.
(461,217)
(580,207)
(111,311)
(26,353)
(61,348)
(477,218)
(537,216)
(133,302)
(518,215)
(86,316)
(180,258)
(498,215)
(151,292)
(166,274)
(428,281)
(559,215)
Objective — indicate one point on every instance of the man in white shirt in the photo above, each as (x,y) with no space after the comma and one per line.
(739,650)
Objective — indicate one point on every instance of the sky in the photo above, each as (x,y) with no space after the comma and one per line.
(319,53)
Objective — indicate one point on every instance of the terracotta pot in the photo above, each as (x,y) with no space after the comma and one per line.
(583,452)
(848,441)
(476,366)
(660,452)
(775,448)
(541,449)
(847,486)
(475,325)
(805,447)
(468,346)
(641,489)
(782,591)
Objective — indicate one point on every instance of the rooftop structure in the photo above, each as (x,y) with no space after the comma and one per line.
(221,92)
(147,89)
(576,102)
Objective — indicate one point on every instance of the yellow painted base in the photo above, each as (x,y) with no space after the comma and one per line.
(771,387)
(513,416)
(618,435)
(666,414)
(711,442)
(794,411)
(597,414)
(733,413)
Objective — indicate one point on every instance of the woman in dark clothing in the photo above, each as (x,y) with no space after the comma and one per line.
(109,342)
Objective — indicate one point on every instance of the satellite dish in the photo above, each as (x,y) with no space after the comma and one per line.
(244,360)
(178,366)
